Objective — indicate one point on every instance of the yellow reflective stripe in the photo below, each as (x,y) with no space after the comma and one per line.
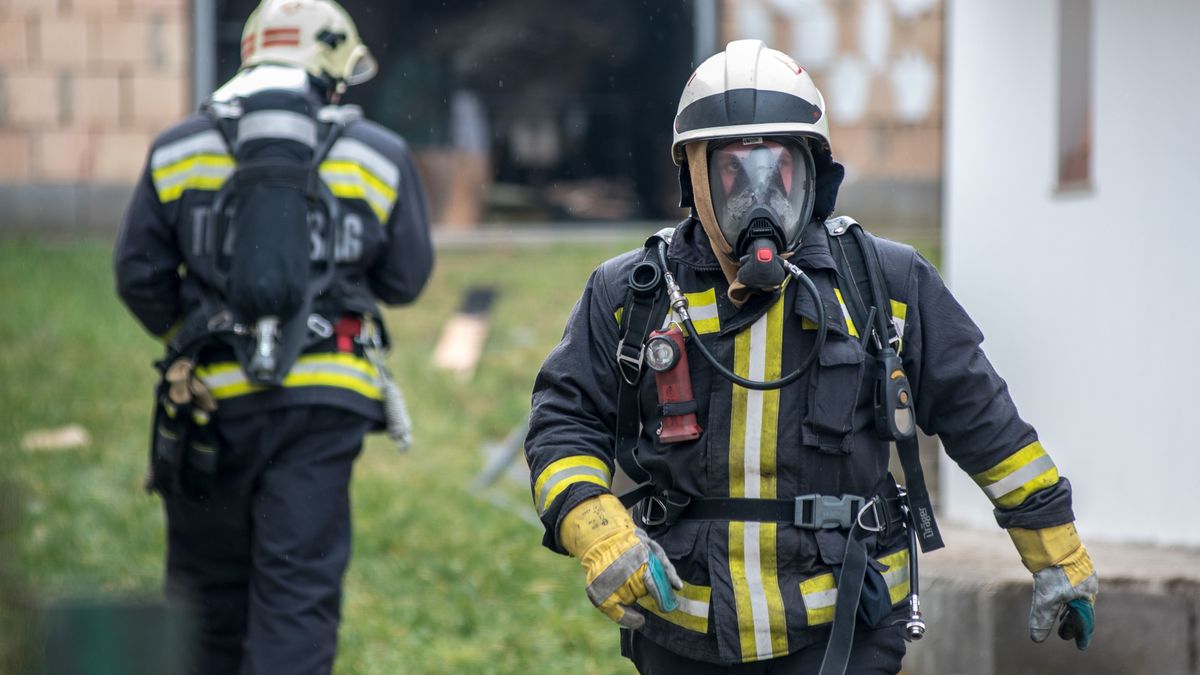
(196,172)
(702,307)
(741,590)
(346,190)
(561,474)
(899,315)
(351,180)
(762,623)
(896,575)
(845,313)
(820,592)
(820,597)
(1019,475)
(356,169)
(343,371)
(692,612)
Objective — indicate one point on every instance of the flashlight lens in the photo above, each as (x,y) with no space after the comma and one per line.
(661,354)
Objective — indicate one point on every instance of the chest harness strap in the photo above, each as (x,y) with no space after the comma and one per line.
(643,312)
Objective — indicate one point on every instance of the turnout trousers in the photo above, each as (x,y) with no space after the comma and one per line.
(258,559)
(875,652)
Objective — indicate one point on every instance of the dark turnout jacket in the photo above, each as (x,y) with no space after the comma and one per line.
(383,254)
(759,590)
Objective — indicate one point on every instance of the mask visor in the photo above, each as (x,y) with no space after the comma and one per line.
(750,178)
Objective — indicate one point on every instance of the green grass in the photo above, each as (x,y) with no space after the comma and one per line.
(440,581)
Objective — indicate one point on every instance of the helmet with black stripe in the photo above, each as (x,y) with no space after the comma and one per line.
(749,122)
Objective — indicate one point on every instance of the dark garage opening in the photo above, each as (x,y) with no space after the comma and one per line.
(523,110)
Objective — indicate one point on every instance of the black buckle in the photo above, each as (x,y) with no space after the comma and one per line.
(827,512)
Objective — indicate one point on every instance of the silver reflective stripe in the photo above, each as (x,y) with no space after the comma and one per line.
(193,172)
(897,575)
(277,124)
(224,379)
(696,312)
(821,599)
(1019,477)
(333,369)
(696,608)
(219,380)
(203,143)
(349,149)
(615,575)
(569,473)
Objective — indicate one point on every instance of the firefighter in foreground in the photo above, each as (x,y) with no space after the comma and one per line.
(259,240)
(749,372)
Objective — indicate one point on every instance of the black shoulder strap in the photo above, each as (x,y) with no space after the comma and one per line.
(861,271)
(645,305)
(862,279)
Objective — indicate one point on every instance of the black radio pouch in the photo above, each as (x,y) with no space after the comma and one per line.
(183,448)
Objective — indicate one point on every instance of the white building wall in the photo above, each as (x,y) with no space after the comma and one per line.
(1090,302)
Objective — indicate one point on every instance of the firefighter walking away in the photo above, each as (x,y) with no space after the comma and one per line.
(261,239)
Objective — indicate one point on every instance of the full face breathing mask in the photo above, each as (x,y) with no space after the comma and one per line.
(762,196)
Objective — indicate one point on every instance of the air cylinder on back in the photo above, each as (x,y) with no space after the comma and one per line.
(276,141)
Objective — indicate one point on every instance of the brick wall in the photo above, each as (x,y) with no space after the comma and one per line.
(86,84)
(880,45)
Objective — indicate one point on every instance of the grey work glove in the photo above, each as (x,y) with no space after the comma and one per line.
(622,562)
(1054,598)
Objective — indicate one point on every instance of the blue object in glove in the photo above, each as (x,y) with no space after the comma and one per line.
(1078,622)
(668,602)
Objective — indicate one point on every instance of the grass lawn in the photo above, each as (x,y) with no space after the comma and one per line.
(441,581)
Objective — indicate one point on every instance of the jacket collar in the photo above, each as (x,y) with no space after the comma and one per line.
(690,246)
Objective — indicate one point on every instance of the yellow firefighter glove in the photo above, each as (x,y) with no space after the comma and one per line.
(1064,582)
(619,559)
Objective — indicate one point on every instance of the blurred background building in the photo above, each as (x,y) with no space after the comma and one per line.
(1071,170)
(518,110)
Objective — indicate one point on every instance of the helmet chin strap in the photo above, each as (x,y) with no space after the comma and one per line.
(755,270)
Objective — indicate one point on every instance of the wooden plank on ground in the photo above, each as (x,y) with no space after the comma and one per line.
(461,343)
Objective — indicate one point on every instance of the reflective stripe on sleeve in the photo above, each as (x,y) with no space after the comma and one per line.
(354,170)
(1019,475)
(198,172)
(349,180)
(345,371)
(820,592)
(204,143)
(692,612)
(565,472)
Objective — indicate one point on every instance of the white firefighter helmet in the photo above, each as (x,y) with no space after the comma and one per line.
(316,35)
(748,90)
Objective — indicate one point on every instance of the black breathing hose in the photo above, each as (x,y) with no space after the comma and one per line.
(679,304)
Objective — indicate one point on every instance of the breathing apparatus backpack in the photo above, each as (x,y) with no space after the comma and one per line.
(263,279)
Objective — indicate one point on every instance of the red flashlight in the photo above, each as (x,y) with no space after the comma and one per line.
(667,358)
